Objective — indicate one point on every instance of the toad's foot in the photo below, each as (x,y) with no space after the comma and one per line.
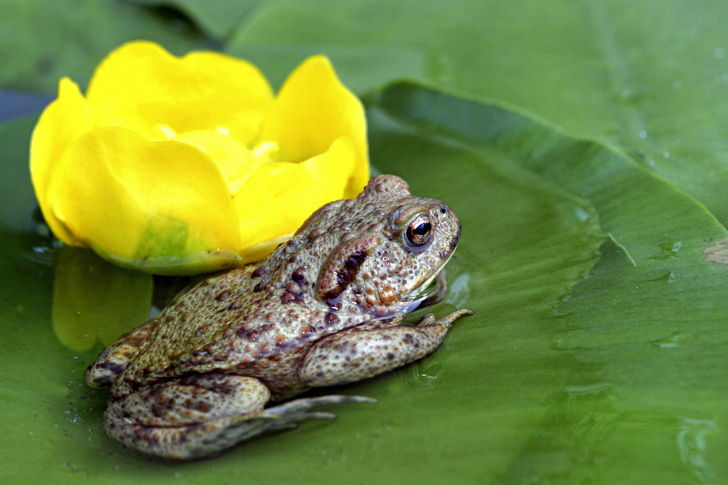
(200,416)
(293,412)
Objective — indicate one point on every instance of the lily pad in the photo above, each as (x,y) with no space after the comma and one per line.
(640,341)
(649,77)
(218,18)
(595,352)
(43,41)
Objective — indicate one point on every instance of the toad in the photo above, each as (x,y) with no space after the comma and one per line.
(326,308)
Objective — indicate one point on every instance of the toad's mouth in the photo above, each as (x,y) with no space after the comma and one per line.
(427,294)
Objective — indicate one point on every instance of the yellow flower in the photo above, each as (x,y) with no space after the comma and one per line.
(184,165)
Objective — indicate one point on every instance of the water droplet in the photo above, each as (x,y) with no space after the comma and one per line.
(670,342)
(563,344)
(668,277)
(588,390)
(668,250)
(719,53)
(643,134)
(425,373)
(666,154)
(677,84)
(581,214)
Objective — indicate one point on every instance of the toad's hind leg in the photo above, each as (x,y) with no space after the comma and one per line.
(201,415)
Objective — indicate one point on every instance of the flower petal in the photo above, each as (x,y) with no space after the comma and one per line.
(64,120)
(144,88)
(280,196)
(143,203)
(312,110)
(233,159)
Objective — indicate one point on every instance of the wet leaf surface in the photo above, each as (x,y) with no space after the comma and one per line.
(597,350)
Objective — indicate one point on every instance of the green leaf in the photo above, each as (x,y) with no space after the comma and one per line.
(624,379)
(649,77)
(219,18)
(568,371)
(43,41)
(360,68)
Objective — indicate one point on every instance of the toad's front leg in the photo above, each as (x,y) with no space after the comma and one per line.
(357,354)
(201,415)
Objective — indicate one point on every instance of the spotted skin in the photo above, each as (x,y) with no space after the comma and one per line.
(324,309)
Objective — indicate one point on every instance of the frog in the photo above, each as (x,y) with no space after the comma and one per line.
(222,362)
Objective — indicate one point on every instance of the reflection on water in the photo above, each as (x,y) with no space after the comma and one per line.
(668,250)
(670,342)
(692,444)
(38,245)
(94,300)
(577,435)
(424,373)
(459,291)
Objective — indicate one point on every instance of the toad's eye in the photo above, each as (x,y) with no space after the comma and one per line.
(418,232)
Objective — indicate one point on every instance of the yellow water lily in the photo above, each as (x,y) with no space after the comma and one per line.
(184,165)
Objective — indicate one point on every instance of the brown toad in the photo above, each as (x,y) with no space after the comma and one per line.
(323,309)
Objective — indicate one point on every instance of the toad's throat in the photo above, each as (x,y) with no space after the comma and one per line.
(423,297)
